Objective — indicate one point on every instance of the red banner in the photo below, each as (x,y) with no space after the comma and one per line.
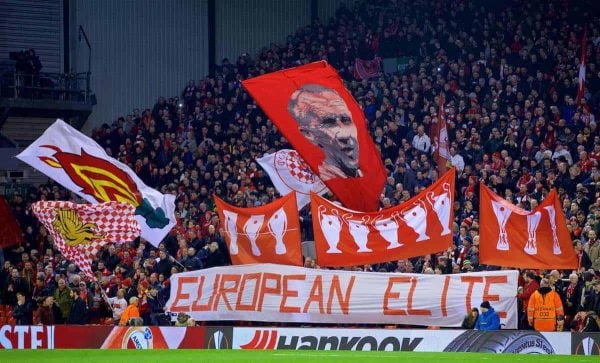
(316,113)
(367,68)
(265,234)
(104,337)
(10,232)
(419,226)
(514,237)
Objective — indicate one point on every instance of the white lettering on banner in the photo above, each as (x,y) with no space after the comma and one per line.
(524,342)
(26,337)
(268,292)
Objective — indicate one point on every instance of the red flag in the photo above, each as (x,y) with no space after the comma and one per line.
(10,232)
(417,227)
(366,69)
(265,234)
(80,230)
(514,237)
(316,113)
(581,87)
(442,147)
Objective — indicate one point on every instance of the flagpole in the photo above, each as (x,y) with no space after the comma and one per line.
(105,297)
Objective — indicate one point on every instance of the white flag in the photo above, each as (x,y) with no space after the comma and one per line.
(81,165)
(289,172)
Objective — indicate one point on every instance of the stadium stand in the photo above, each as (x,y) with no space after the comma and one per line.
(510,79)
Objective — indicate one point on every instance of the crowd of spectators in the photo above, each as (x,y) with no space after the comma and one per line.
(509,71)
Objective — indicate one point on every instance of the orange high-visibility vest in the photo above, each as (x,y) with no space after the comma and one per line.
(130,311)
(544,309)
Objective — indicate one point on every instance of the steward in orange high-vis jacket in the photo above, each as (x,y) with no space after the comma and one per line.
(545,310)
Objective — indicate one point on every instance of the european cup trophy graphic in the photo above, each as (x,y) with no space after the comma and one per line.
(388,230)
(359,232)
(230,228)
(441,206)
(416,218)
(251,228)
(331,226)
(533,221)
(277,226)
(502,213)
(552,215)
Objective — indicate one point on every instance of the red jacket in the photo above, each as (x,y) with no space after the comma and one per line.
(528,289)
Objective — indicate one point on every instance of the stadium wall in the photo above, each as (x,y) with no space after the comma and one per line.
(248,26)
(32,24)
(271,338)
(141,49)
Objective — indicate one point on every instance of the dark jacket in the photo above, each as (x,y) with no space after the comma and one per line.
(78,312)
(574,298)
(191,263)
(164,267)
(155,304)
(488,320)
(22,313)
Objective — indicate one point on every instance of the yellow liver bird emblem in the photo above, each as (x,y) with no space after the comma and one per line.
(73,230)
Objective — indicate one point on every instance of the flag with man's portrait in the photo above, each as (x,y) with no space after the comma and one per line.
(324,124)
(81,230)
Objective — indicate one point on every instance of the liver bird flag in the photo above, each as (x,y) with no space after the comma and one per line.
(80,230)
(81,165)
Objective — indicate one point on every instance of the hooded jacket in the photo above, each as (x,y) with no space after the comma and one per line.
(488,320)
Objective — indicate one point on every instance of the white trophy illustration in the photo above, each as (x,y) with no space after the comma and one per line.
(588,346)
(218,339)
(502,213)
(251,228)
(359,231)
(230,228)
(277,226)
(388,229)
(441,206)
(533,221)
(552,215)
(331,226)
(416,218)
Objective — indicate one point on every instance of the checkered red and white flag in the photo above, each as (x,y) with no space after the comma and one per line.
(80,230)
(290,173)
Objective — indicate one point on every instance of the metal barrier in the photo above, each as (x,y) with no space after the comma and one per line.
(72,87)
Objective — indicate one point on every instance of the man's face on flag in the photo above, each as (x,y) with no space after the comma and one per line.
(325,120)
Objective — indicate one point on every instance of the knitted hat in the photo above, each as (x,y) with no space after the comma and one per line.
(486,304)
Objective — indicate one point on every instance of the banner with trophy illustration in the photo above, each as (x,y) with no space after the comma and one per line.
(266,234)
(419,226)
(515,237)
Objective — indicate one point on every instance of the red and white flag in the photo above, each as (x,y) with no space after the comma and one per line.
(515,237)
(290,173)
(79,164)
(419,226)
(442,147)
(367,68)
(581,86)
(80,230)
(266,234)
(317,114)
